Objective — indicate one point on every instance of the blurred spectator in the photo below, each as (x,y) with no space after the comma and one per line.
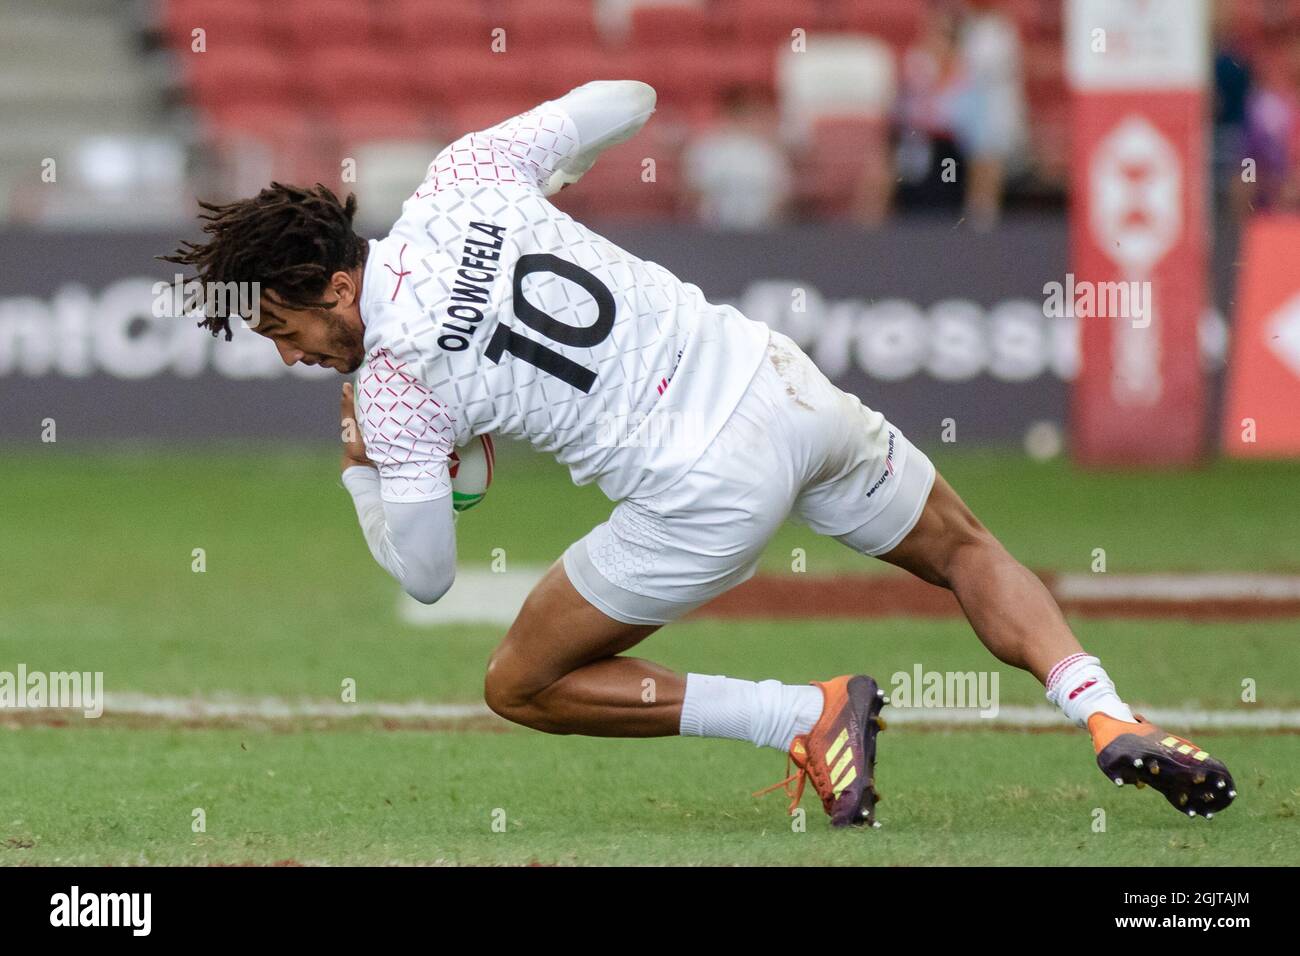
(836,102)
(928,157)
(1273,137)
(991,123)
(961,110)
(1233,81)
(737,174)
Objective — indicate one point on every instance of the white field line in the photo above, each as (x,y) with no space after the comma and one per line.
(1179,587)
(478,596)
(482,596)
(179,709)
(1180,719)
(276,708)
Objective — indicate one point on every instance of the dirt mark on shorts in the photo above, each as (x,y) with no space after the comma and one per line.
(781,362)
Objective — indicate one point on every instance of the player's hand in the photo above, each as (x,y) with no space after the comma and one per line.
(354,446)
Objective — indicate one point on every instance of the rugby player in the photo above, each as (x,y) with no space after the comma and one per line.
(487,309)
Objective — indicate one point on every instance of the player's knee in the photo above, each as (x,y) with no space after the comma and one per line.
(503,691)
(498,692)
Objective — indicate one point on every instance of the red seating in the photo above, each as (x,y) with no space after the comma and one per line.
(286,138)
(690,79)
(747,66)
(671,70)
(231,75)
(308,24)
(224,23)
(310,77)
(460,74)
(436,24)
(336,75)
(837,168)
(670,25)
(362,120)
(568,67)
(540,27)
(268,122)
(897,22)
(772,22)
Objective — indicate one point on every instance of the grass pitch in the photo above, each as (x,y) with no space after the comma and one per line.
(98,575)
(101,796)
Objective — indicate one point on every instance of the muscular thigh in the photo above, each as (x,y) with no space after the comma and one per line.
(946,524)
(556,632)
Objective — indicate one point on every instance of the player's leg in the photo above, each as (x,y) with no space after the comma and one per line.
(560,669)
(875,482)
(948,546)
(926,528)
(1017,619)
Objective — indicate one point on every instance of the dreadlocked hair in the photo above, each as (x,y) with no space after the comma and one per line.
(288,239)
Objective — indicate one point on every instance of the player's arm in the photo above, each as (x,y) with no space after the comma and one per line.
(548,146)
(403,496)
(604,113)
(413,541)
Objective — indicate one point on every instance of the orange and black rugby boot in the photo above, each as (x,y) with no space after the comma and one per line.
(839,753)
(1191,780)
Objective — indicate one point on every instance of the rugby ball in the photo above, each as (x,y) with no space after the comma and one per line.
(471,471)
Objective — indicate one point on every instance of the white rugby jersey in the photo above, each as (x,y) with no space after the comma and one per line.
(487,309)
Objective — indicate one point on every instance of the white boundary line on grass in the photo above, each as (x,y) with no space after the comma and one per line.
(478,596)
(179,709)
(482,596)
(276,708)
(1178,720)
(1179,587)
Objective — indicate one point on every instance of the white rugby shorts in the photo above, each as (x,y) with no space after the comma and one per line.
(794,446)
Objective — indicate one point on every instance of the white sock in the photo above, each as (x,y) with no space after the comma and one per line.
(766,713)
(1079,685)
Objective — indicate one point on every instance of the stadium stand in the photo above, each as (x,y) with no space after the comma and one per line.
(289,88)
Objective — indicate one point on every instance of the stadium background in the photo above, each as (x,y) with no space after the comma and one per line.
(923,296)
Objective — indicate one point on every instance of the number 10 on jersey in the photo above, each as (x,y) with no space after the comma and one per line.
(506,339)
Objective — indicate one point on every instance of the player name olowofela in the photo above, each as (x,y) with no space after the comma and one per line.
(479,266)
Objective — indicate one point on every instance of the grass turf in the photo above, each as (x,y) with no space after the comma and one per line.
(103,796)
(97,570)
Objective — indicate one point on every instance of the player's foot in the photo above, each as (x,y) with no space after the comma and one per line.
(839,753)
(1141,753)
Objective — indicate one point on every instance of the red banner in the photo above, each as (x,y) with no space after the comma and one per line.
(1138,231)
(1261,416)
